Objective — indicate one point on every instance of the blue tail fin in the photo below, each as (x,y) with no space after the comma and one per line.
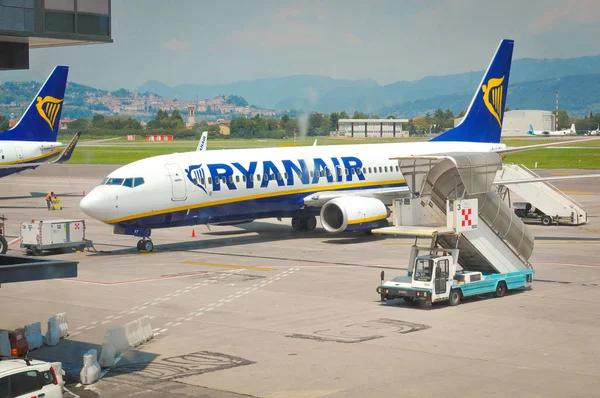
(530,131)
(483,120)
(41,119)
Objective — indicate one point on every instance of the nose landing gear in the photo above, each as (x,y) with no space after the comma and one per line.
(145,244)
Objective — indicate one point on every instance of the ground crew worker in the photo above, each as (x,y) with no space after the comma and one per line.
(49,200)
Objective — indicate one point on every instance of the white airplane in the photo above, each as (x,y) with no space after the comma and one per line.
(33,140)
(348,186)
(594,132)
(569,131)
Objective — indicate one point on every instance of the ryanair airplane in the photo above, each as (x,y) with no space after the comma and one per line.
(348,186)
(33,140)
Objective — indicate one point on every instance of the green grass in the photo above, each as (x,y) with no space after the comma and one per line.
(123,152)
(553,158)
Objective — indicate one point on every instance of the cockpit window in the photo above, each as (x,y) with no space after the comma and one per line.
(138,181)
(128,182)
(114,181)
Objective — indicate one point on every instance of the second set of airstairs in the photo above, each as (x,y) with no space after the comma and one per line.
(552,202)
(499,242)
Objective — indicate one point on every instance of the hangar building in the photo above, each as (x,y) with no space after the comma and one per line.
(371,128)
(516,123)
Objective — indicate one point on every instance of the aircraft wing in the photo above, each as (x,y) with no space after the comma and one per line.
(537,146)
(386,195)
(540,179)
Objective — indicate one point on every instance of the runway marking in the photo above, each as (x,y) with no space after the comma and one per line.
(589,229)
(140,307)
(229,266)
(236,295)
(185,275)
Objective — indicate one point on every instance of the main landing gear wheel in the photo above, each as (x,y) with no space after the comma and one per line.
(311,223)
(304,223)
(3,245)
(145,244)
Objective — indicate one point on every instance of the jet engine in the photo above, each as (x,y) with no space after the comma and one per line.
(354,213)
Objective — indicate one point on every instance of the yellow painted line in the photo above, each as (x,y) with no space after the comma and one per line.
(581,192)
(229,266)
(398,244)
(29,160)
(367,219)
(301,394)
(252,197)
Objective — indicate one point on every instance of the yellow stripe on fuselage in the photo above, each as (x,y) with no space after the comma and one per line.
(368,219)
(29,160)
(252,197)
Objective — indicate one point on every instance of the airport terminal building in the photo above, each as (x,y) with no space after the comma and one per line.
(516,123)
(26,24)
(371,128)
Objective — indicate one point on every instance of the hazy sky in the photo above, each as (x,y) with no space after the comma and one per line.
(197,41)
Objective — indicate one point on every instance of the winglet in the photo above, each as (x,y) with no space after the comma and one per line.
(202,143)
(66,154)
(484,117)
(315,143)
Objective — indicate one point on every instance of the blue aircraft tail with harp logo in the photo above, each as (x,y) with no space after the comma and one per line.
(41,120)
(484,117)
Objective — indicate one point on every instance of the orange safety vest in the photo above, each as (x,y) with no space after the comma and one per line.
(49,197)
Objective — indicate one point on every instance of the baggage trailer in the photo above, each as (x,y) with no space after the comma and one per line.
(53,235)
(433,277)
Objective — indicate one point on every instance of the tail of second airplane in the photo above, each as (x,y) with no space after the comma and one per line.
(41,120)
(530,131)
(483,120)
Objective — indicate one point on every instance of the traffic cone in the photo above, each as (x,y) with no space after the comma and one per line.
(193,233)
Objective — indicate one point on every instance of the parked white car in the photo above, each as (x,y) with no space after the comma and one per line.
(21,377)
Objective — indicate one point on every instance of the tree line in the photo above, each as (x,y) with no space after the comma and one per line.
(313,124)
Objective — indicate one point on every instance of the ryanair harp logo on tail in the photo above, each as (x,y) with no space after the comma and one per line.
(492,97)
(48,108)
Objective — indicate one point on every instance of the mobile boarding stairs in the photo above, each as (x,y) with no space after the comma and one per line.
(555,206)
(443,189)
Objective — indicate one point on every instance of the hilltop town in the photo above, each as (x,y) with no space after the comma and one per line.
(85,101)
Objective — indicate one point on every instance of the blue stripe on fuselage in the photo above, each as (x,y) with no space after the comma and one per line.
(285,205)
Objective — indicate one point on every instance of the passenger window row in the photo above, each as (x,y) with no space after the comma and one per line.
(321,173)
(126,182)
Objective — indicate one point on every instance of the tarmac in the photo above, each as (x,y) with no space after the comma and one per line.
(260,310)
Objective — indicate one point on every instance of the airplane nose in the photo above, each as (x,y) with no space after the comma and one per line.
(94,205)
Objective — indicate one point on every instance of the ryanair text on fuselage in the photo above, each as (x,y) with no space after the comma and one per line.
(285,173)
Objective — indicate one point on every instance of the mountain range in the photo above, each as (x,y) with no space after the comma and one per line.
(533,83)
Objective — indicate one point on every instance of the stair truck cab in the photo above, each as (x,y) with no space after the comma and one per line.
(433,277)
